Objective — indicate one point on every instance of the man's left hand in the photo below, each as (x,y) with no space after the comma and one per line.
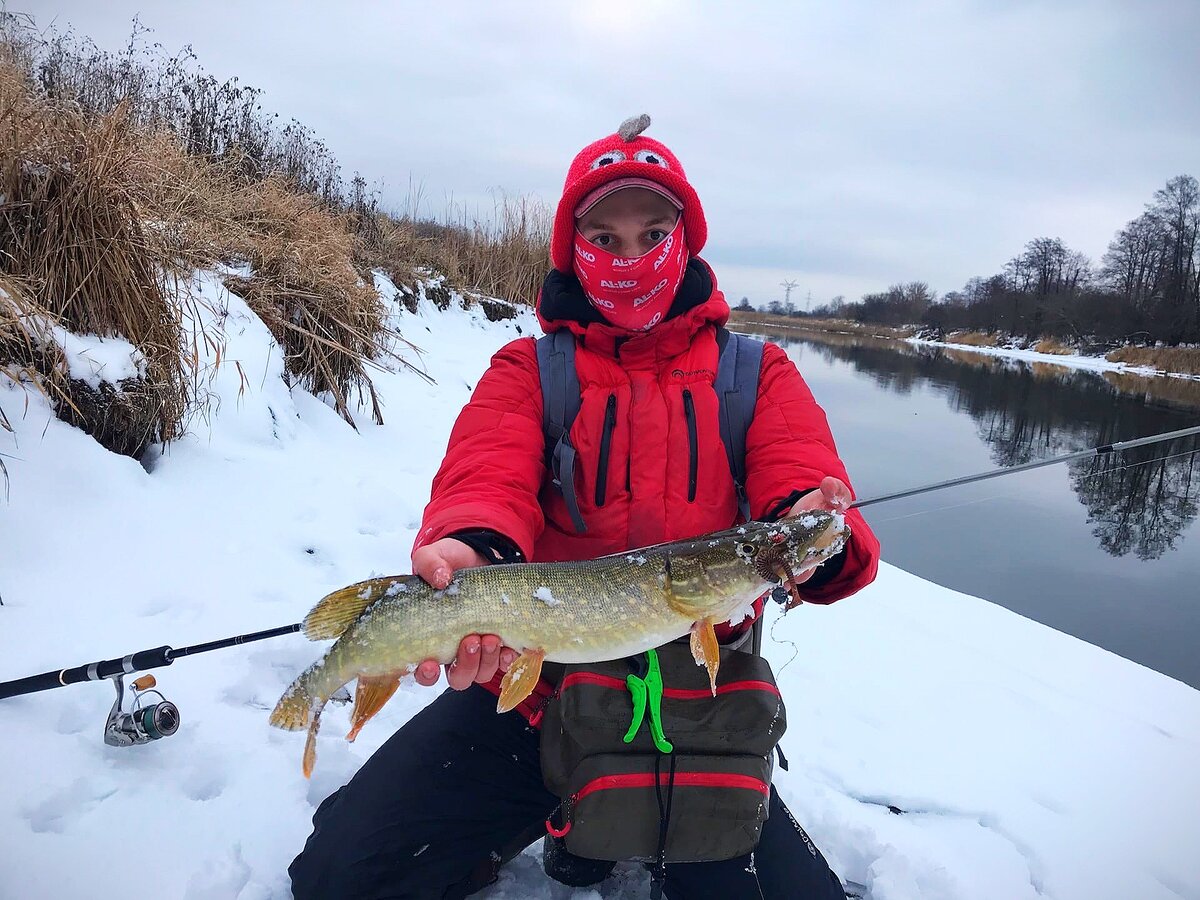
(832,496)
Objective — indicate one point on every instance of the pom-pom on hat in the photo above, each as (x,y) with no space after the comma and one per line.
(633,160)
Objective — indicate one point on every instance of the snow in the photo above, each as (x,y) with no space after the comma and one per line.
(546,596)
(1026,763)
(1068,360)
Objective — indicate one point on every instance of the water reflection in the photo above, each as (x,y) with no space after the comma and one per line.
(1138,501)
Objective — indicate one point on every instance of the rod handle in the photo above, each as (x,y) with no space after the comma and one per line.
(134,662)
(30,684)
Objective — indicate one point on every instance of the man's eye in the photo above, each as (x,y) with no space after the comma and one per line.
(656,235)
(602,240)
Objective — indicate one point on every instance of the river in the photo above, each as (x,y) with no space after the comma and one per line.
(1102,549)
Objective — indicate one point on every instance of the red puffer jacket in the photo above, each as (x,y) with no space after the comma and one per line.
(648,416)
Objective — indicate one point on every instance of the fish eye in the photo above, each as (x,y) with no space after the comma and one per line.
(608,159)
(747,549)
(649,156)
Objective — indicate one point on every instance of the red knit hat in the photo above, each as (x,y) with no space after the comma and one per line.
(623,155)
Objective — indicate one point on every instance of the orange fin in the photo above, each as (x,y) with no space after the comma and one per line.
(372,693)
(310,745)
(520,679)
(705,649)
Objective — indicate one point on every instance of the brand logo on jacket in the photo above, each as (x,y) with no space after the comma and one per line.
(618,285)
(691,373)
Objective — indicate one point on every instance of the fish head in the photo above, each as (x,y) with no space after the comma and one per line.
(731,568)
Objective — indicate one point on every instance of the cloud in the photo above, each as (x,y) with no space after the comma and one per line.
(851,145)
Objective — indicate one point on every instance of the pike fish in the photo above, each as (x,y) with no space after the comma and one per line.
(567,612)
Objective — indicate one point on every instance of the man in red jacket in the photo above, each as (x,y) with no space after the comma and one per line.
(458,789)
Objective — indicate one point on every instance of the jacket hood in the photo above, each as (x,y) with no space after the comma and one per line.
(698,302)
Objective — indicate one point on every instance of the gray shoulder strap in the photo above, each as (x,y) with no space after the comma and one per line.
(736,385)
(560,406)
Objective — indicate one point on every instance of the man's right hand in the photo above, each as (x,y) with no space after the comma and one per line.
(479,657)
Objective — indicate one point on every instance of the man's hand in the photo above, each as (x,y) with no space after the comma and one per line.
(479,657)
(832,496)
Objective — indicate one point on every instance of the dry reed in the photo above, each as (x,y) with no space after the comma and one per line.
(1184,360)
(70,232)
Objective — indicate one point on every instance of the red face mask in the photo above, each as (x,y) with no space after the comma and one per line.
(633,293)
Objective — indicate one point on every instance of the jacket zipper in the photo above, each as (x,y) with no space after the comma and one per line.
(610,422)
(689,412)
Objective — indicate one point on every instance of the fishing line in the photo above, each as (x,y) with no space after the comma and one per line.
(1144,462)
(794,644)
(923,512)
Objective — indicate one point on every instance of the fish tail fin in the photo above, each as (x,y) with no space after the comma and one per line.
(372,693)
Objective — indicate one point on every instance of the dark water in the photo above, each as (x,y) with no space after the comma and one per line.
(1102,549)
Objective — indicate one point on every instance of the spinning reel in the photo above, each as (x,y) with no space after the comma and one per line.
(143,722)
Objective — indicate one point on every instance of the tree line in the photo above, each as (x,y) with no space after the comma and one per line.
(1145,290)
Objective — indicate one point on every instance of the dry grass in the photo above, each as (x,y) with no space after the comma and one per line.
(506,256)
(838,326)
(71,235)
(1050,345)
(1166,359)
(972,339)
(120,175)
(304,286)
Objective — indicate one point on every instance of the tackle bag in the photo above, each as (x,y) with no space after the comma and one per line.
(651,766)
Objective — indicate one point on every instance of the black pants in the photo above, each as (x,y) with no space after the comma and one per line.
(459,788)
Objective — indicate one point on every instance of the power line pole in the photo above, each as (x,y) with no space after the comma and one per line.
(787,290)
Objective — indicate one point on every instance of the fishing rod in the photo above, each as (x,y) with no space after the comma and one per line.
(146,723)
(141,723)
(1094,452)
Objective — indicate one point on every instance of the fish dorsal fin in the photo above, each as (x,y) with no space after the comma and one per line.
(337,611)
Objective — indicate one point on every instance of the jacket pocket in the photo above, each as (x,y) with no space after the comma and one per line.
(689,413)
(610,422)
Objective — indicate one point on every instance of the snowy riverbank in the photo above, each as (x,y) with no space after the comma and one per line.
(1071,360)
(1026,763)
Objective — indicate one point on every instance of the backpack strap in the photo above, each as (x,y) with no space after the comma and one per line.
(560,406)
(736,384)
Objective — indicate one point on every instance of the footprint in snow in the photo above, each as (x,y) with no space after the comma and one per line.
(220,879)
(62,808)
(204,782)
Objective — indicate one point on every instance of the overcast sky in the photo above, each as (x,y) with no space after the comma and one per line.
(844,145)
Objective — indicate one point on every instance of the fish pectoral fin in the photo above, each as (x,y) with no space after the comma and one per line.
(705,649)
(337,611)
(372,693)
(520,679)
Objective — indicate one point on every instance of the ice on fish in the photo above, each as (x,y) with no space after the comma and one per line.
(546,596)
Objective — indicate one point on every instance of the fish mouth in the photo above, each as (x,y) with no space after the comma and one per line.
(780,564)
(775,568)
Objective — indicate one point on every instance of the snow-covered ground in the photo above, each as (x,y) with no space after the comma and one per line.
(1026,763)
(1070,360)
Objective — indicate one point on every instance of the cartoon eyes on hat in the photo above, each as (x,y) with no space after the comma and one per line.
(649,156)
(608,158)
